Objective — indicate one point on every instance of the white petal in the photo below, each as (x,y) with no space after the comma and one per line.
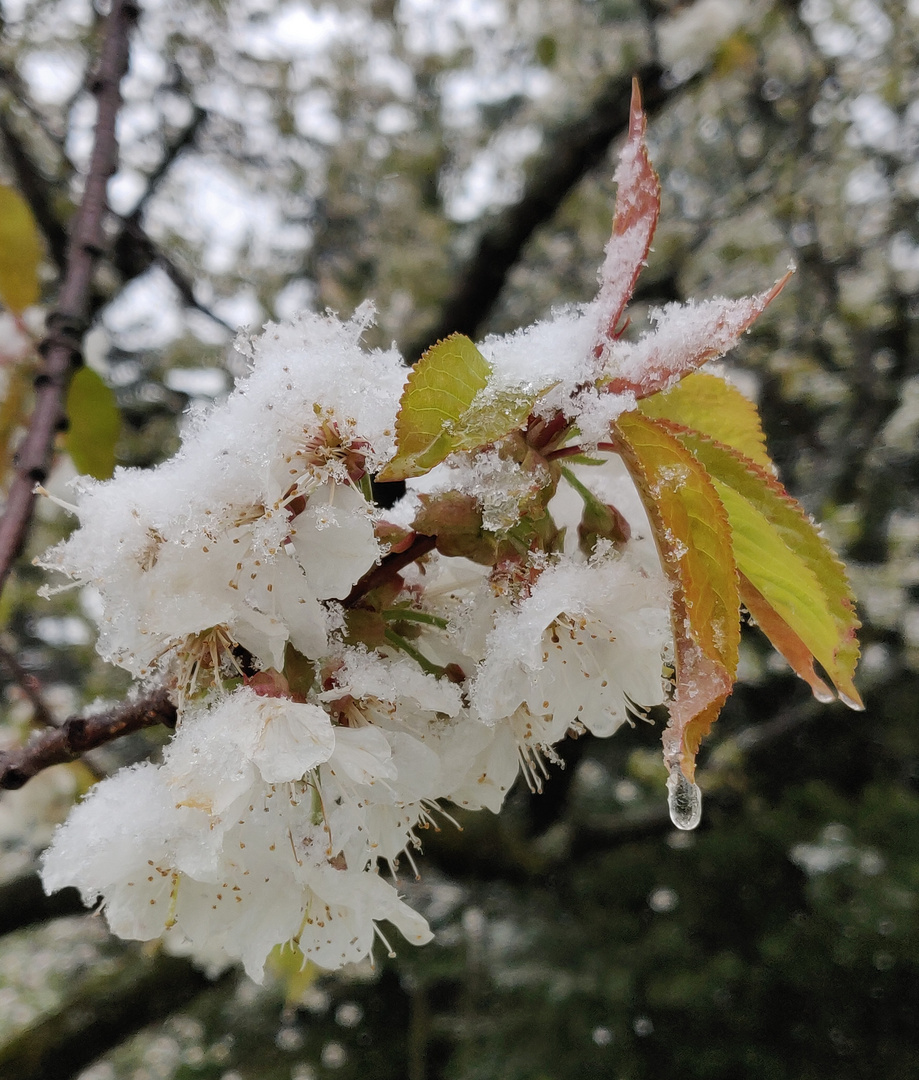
(362,754)
(295,738)
(334,540)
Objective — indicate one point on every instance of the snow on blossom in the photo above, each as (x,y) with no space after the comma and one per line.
(283,799)
(444,749)
(585,646)
(253,523)
(233,839)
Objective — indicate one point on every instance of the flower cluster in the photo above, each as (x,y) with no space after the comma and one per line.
(345,663)
(321,723)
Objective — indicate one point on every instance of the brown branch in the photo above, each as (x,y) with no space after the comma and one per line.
(389,567)
(81,733)
(61,348)
(78,734)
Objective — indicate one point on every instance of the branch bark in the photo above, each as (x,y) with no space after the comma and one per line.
(81,733)
(61,349)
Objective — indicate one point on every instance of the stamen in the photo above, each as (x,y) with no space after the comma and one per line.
(390,952)
(40,490)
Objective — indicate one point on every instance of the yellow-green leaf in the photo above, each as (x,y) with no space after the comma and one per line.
(716,408)
(95,424)
(693,536)
(785,640)
(792,570)
(446,407)
(20,252)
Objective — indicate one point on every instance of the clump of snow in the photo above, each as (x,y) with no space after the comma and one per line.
(555,352)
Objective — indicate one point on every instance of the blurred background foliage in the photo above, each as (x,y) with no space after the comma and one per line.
(452,159)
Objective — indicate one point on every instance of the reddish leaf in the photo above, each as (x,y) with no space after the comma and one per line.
(702,687)
(638,205)
(694,539)
(687,335)
(797,587)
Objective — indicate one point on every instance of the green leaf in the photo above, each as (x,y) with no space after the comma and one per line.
(694,539)
(716,408)
(95,424)
(445,408)
(20,252)
(799,592)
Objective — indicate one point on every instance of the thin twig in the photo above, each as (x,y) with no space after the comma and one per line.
(61,348)
(389,566)
(133,252)
(81,733)
(185,138)
(36,189)
(30,687)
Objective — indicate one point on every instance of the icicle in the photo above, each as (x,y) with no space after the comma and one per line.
(684,800)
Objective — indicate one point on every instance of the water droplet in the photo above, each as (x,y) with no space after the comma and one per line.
(858,706)
(684,800)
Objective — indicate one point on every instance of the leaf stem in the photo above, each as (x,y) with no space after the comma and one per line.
(564,452)
(389,566)
(586,494)
(399,642)
(411,615)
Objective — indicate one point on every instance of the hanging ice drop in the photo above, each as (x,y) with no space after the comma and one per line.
(684,799)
